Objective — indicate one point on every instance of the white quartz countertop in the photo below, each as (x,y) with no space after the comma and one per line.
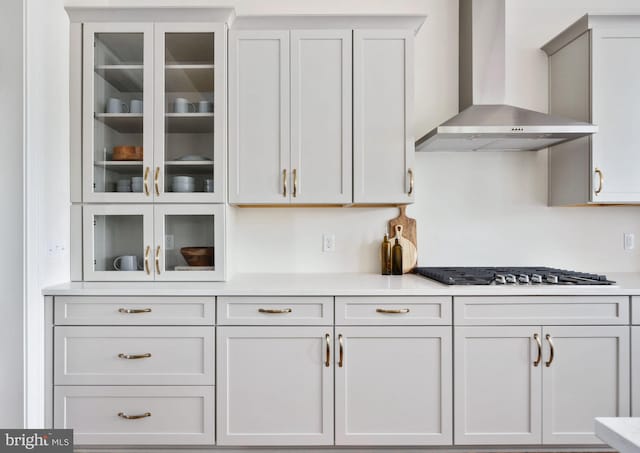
(621,433)
(344,284)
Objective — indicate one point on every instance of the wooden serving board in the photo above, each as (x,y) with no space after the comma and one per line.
(408,226)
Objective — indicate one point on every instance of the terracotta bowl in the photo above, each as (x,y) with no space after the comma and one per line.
(127,152)
(198,256)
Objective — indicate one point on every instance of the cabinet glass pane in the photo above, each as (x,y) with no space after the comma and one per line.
(118,96)
(189,93)
(189,241)
(118,243)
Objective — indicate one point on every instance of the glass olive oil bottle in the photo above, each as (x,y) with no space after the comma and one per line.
(385,255)
(396,258)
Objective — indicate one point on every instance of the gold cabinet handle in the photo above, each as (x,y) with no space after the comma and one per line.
(550,361)
(284,183)
(156,184)
(411,181)
(133,417)
(146,355)
(600,179)
(274,311)
(134,310)
(295,183)
(158,260)
(146,180)
(146,260)
(341,354)
(327,360)
(536,337)
(389,311)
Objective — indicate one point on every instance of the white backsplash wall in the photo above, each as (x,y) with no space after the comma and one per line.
(472,208)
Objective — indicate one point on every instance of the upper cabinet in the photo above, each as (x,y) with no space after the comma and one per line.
(594,76)
(320,112)
(153,112)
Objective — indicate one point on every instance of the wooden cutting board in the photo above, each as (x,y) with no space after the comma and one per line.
(408,226)
(409,252)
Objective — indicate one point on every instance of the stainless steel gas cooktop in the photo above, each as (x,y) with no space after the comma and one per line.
(510,276)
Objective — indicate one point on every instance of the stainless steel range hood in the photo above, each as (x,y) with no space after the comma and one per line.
(484,121)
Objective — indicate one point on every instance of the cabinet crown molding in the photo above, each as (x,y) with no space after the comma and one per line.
(160,14)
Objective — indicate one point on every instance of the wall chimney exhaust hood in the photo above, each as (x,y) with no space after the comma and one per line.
(484,121)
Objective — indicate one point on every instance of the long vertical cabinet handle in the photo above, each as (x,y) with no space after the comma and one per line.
(550,361)
(284,183)
(146,181)
(327,360)
(146,260)
(156,182)
(600,180)
(536,337)
(411,181)
(158,260)
(341,354)
(295,183)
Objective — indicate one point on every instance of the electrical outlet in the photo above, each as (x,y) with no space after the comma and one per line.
(328,242)
(56,248)
(629,241)
(168,241)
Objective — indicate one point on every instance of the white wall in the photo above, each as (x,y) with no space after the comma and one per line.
(12,219)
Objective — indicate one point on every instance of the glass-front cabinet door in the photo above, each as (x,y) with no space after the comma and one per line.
(117,112)
(118,242)
(189,242)
(189,113)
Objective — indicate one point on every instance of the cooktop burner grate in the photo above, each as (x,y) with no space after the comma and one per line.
(510,275)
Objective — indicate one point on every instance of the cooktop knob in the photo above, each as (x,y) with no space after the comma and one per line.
(500,280)
(553,279)
(523,278)
(536,278)
(511,278)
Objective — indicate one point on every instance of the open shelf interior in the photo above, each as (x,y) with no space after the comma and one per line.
(189,48)
(187,231)
(189,78)
(196,123)
(119,48)
(124,78)
(122,122)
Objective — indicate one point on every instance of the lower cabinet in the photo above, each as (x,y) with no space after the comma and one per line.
(532,384)
(635,371)
(393,385)
(136,415)
(275,385)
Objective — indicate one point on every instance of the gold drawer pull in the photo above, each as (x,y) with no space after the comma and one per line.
(284,183)
(134,310)
(341,357)
(411,181)
(156,182)
(146,260)
(146,355)
(133,417)
(274,311)
(550,361)
(536,337)
(388,311)
(327,360)
(600,180)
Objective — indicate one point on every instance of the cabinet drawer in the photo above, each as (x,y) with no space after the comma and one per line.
(177,415)
(134,355)
(275,310)
(536,310)
(400,310)
(125,310)
(635,310)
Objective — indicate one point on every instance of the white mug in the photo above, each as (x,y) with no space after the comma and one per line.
(136,106)
(115,105)
(205,107)
(182,105)
(126,263)
(136,184)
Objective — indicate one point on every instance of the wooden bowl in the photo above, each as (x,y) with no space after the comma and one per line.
(127,152)
(198,256)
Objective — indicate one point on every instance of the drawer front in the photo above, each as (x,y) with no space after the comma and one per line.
(279,311)
(125,310)
(635,310)
(169,415)
(400,310)
(537,310)
(134,355)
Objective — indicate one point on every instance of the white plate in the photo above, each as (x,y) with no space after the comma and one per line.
(193,157)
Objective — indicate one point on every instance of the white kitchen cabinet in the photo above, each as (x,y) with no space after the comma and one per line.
(275,385)
(155,236)
(594,76)
(290,116)
(383,143)
(497,385)
(635,371)
(143,68)
(393,386)
(587,377)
